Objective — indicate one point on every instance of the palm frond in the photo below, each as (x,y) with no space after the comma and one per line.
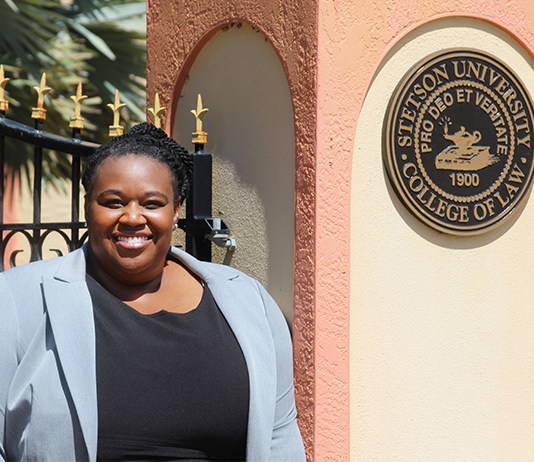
(101,43)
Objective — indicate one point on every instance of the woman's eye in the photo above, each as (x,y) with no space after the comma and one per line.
(113,203)
(153,205)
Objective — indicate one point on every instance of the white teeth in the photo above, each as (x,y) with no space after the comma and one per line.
(132,240)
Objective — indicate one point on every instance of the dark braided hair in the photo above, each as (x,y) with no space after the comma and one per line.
(145,140)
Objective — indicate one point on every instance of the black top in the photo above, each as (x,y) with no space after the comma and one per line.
(170,386)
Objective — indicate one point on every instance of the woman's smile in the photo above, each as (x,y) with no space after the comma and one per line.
(132,242)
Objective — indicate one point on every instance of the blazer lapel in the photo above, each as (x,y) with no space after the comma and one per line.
(243,308)
(71,317)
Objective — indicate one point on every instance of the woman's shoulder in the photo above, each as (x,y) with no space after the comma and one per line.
(24,282)
(36,269)
(209,269)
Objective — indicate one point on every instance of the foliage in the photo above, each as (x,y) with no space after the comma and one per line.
(101,43)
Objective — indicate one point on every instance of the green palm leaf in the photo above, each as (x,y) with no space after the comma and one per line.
(99,42)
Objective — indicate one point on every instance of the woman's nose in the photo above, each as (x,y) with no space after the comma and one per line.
(132,215)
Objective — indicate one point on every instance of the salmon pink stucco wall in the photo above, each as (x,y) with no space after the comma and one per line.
(330,51)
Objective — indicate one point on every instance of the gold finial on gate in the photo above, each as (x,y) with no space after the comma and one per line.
(4,104)
(116,107)
(199,137)
(39,112)
(77,120)
(157,110)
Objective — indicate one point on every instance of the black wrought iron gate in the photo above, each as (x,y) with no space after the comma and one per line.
(36,232)
(200,228)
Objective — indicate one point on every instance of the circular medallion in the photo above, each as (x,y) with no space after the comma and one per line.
(458,146)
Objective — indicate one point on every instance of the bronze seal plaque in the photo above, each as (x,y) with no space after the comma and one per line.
(458,144)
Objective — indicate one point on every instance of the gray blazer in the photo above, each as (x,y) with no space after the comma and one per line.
(48,401)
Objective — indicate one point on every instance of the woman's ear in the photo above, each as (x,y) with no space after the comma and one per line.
(177,207)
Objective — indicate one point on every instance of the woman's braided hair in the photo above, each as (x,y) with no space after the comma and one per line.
(145,140)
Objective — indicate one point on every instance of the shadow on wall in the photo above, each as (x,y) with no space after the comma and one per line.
(251,136)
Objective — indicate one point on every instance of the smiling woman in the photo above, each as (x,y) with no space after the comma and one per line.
(134,191)
(134,350)
(131,211)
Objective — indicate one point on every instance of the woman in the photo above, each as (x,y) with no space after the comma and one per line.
(130,349)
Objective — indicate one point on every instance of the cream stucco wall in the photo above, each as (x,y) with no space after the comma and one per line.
(442,351)
(251,137)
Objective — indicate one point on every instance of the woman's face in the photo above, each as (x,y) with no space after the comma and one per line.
(130,214)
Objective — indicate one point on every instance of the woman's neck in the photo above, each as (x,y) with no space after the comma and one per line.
(125,290)
(175,289)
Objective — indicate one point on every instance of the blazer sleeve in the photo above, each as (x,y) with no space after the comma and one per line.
(286,441)
(9,355)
